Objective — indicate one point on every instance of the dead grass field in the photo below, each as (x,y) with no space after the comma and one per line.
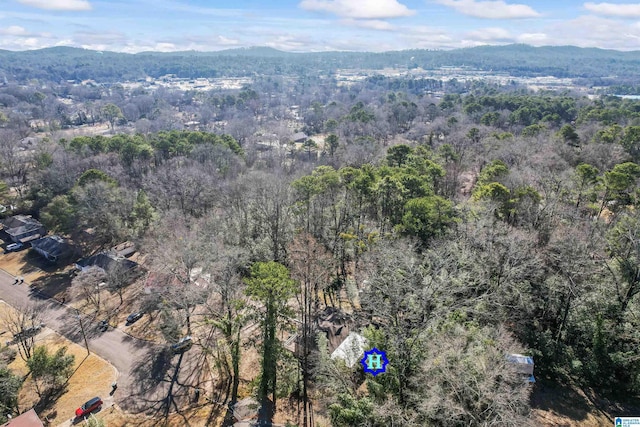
(92,376)
(22,263)
(199,416)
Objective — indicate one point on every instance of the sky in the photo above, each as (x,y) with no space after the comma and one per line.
(315,25)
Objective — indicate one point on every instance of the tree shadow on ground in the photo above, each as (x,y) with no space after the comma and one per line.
(49,398)
(561,399)
(35,262)
(572,402)
(70,325)
(137,342)
(164,384)
(621,405)
(151,376)
(35,293)
(54,285)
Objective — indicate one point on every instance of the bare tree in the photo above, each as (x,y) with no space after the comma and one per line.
(87,285)
(226,310)
(180,262)
(271,209)
(183,184)
(311,267)
(24,323)
(118,277)
(258,214)
(14,163)
(401,299)
(466,379)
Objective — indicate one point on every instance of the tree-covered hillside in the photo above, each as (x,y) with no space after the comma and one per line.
(62,63)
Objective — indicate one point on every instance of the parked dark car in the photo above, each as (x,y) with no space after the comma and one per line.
(183,345)
(134,317)
(88,407)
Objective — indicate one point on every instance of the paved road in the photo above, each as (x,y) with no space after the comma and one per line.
(143,367)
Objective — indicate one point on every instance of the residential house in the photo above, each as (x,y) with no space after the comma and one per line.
(23,228)
(53,248)
(336,324)
(351,350)
(299,137)
(105,261)
(125,249)
(27,419)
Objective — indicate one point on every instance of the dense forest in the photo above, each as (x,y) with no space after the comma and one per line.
(64,63)
(451,231)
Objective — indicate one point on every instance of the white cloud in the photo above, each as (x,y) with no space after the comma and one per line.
(164,47)
(58,4)
(31,43)
(631,10)
(288,43)
(371,24)
(307,34)
(23,43)
(423,37)
(225,41)
(14,30)
(535,39)
(497,9)
(101,38)
(359,9)
(595,31)
(490,34)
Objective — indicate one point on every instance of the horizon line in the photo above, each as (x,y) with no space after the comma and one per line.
(241,48)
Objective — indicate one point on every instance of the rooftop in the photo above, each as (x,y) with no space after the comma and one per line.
(27,419)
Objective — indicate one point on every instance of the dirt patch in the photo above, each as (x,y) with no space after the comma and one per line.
(570,406)
(467,181)
(84,130)
(92,376)
(197,416)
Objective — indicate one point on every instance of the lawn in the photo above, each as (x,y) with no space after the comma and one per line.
(92,376)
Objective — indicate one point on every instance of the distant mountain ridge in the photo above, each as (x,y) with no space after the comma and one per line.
(255,51)
(69,63)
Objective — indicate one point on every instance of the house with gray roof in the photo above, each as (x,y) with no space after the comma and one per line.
(106,261)
(23,228)
(53,248)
